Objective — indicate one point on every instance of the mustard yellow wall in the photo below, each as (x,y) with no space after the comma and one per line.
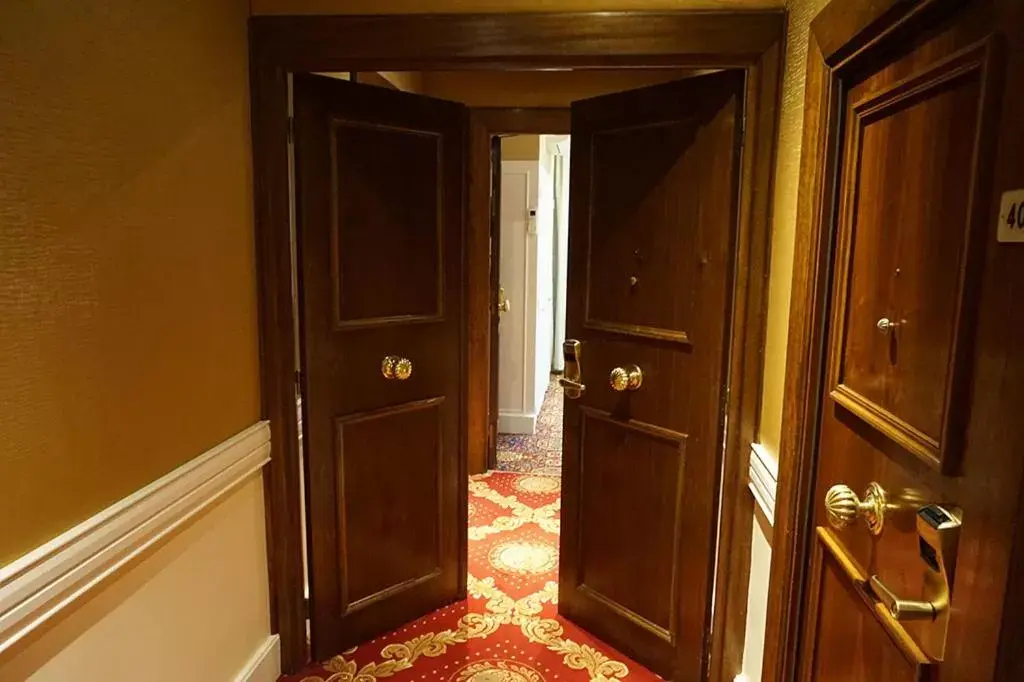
(787,175)
(520,148)
(455,6)
(128,340)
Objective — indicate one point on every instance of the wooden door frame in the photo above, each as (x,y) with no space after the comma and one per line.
(484,124)
(280,45)
(839,37)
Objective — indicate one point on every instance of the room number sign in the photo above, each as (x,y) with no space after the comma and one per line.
(1011,217)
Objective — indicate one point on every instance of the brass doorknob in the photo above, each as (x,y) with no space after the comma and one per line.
(394,367)
(843,507)
(626,378)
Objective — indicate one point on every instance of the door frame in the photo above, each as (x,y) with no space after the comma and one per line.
(485,123)
(842,33)
(279,45)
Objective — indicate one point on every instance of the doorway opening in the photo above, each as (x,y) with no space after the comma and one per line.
(362,587)
(533,224)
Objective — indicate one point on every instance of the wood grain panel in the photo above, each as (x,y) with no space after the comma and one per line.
(615,547)
(858,639)
(641,176)
(907,253)
(398,545)
(387,257)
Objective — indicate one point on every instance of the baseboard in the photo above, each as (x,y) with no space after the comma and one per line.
(517,422)
(42,583)
(265,664)
(763,479)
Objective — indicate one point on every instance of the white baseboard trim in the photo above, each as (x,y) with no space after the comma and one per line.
(517,422)
(43,582)
(764,479)
(265,664)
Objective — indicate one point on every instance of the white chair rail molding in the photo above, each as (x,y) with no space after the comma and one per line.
(195,521)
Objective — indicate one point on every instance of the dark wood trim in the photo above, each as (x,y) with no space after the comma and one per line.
(841,32)
(522,40)
(746,363)
(278,359)
(282,44)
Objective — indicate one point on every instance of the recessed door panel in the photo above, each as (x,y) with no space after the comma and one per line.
(398,545)
(627,558)
(906,253)
(387,227)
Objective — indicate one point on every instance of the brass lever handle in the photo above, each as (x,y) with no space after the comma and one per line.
(843,507)
(397,368)
(906,609)
(573,387)
(504,305)
(626,378)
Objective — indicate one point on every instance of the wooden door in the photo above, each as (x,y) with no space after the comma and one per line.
(915,429)
(653,197)
(379,178)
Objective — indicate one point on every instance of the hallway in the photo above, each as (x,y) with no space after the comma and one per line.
(508,629)
(540,453)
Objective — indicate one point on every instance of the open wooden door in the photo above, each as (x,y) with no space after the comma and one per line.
(916,449)
(379,178)
(653,199)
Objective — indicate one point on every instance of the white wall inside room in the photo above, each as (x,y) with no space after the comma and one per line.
(560,260)
(518,277)
(534,237)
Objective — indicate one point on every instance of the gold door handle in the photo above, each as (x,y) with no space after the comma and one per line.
(504,305)
(570,383)
(843,507)
(907,609)
(626,378)
(397,368)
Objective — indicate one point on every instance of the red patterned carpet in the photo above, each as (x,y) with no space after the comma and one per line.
(508,629)
(540,453)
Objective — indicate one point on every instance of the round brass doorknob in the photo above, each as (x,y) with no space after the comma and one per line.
(626,378)
(396,368)
(843,507)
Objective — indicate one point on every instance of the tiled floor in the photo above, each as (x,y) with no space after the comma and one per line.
(540,453)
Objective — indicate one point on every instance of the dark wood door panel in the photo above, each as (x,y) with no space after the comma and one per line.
(398,545)
(652,225)
(915,146)
(387,228)
(858,640)
(379,210)
(908,250)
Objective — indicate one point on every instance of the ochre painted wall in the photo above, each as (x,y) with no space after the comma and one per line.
(461,6)
(520,148)
(787,176)
(128,339)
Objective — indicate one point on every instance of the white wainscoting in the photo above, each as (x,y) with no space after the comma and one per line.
(42,583)
(764,478)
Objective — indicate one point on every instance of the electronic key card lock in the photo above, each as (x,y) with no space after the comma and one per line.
(938,536)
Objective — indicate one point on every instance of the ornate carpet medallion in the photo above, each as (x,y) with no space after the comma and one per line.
(508,629)
(496,671)
(524,557)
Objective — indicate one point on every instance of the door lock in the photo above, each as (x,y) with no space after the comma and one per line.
(570,383)
(938,537)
